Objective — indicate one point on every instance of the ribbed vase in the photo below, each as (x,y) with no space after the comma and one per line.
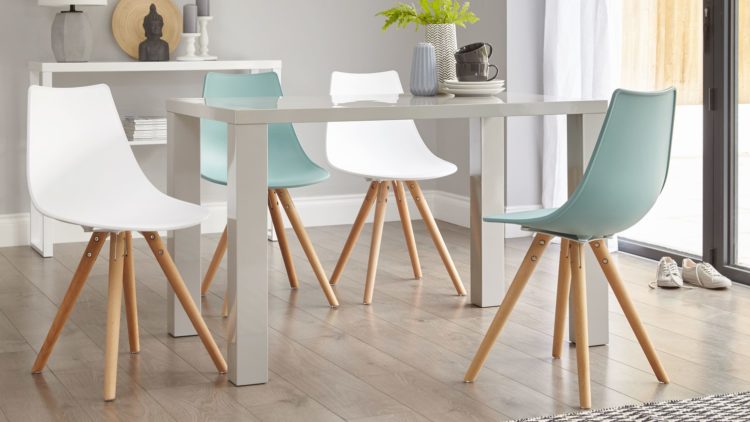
(443,37)
(424,79)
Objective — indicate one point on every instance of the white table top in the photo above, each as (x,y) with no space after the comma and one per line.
(299,109)
(170,66)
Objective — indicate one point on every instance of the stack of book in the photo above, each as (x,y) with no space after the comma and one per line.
(139,129)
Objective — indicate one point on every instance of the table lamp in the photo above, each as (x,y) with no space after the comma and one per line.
(72,36)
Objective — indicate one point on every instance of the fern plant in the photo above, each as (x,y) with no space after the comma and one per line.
(432,12)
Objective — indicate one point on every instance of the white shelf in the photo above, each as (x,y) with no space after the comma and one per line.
(171,66)
(146,142)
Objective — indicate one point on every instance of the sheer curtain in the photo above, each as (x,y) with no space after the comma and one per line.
(582,47)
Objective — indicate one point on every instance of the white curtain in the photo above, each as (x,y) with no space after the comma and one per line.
(582,44)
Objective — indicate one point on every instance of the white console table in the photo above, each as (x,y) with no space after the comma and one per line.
(41,73)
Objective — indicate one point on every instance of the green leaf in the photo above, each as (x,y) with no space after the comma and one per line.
(432,12)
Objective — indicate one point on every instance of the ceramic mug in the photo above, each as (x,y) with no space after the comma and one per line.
(475,72)
(472,53)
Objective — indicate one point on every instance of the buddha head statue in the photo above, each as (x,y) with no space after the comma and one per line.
(153,23)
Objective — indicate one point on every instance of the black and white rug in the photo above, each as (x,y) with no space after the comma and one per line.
(726,407)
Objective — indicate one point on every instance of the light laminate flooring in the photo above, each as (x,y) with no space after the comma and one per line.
(401,359)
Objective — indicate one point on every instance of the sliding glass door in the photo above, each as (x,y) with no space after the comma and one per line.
(741,148)
(662,46)
(702,47)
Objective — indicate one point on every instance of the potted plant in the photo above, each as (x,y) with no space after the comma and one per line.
(439,17)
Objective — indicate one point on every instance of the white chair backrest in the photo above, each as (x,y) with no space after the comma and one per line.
(351,145)
(77,149)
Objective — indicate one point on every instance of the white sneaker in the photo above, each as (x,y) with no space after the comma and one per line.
(667,273)
(703,275)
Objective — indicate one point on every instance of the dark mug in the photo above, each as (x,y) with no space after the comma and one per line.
(477,52)
(475,72)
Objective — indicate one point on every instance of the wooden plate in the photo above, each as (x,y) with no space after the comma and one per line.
(127,23)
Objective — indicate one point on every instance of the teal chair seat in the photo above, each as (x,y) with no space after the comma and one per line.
(626,173)
(288,165)
(625,176)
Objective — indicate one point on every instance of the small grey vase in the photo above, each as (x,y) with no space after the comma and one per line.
(424,78)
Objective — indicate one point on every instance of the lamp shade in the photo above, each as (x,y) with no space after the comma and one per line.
(65,3)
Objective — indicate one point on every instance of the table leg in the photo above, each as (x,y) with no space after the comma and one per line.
(583,133)
(40,227)
(247,263)
(487,187)
(183,182)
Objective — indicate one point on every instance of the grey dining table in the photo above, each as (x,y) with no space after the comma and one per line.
(248,120)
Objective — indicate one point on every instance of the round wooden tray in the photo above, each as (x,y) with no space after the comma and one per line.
(127,23)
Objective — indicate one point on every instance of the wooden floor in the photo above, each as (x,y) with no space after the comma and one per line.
(400,359)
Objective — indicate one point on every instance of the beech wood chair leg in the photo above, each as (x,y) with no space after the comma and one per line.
(183,295)
(437,238)
(403,211)
(580,319)
(628,308)
(359,223)
(71,296)
(377,236)
(307,246)
(225,305)
(278,225)
(131,299)
(533,255)
(563,292)
(221,249)
(114,306)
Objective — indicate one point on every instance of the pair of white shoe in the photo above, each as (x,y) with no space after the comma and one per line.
(700,274)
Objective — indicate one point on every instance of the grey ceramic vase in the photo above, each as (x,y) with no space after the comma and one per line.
(424,78)
(72,37)
(443,37)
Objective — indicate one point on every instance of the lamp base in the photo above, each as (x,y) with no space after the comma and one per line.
(72,37)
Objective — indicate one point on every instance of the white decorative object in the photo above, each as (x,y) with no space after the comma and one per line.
(189,48)
(424,79)
(443,37)
(203,28)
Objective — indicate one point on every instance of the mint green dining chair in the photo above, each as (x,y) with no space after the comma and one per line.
(288,167)
(625,176)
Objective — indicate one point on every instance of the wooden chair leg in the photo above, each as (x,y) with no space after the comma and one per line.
(71,296)
(114,305)
(580,320)
(563,292)
(278,225)
(377,235)
(359,223)
(437,238)
(533,255)
(221,249)
(225,305)
(618,288)
(403,211)
(183,295)
(131,301)
(307,246)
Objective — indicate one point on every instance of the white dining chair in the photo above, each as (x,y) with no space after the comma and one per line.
(82,171)
(387,153)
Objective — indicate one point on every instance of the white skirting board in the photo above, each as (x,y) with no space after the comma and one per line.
(316,211)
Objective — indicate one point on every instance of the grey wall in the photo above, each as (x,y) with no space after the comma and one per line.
(312,38)
(516,29)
